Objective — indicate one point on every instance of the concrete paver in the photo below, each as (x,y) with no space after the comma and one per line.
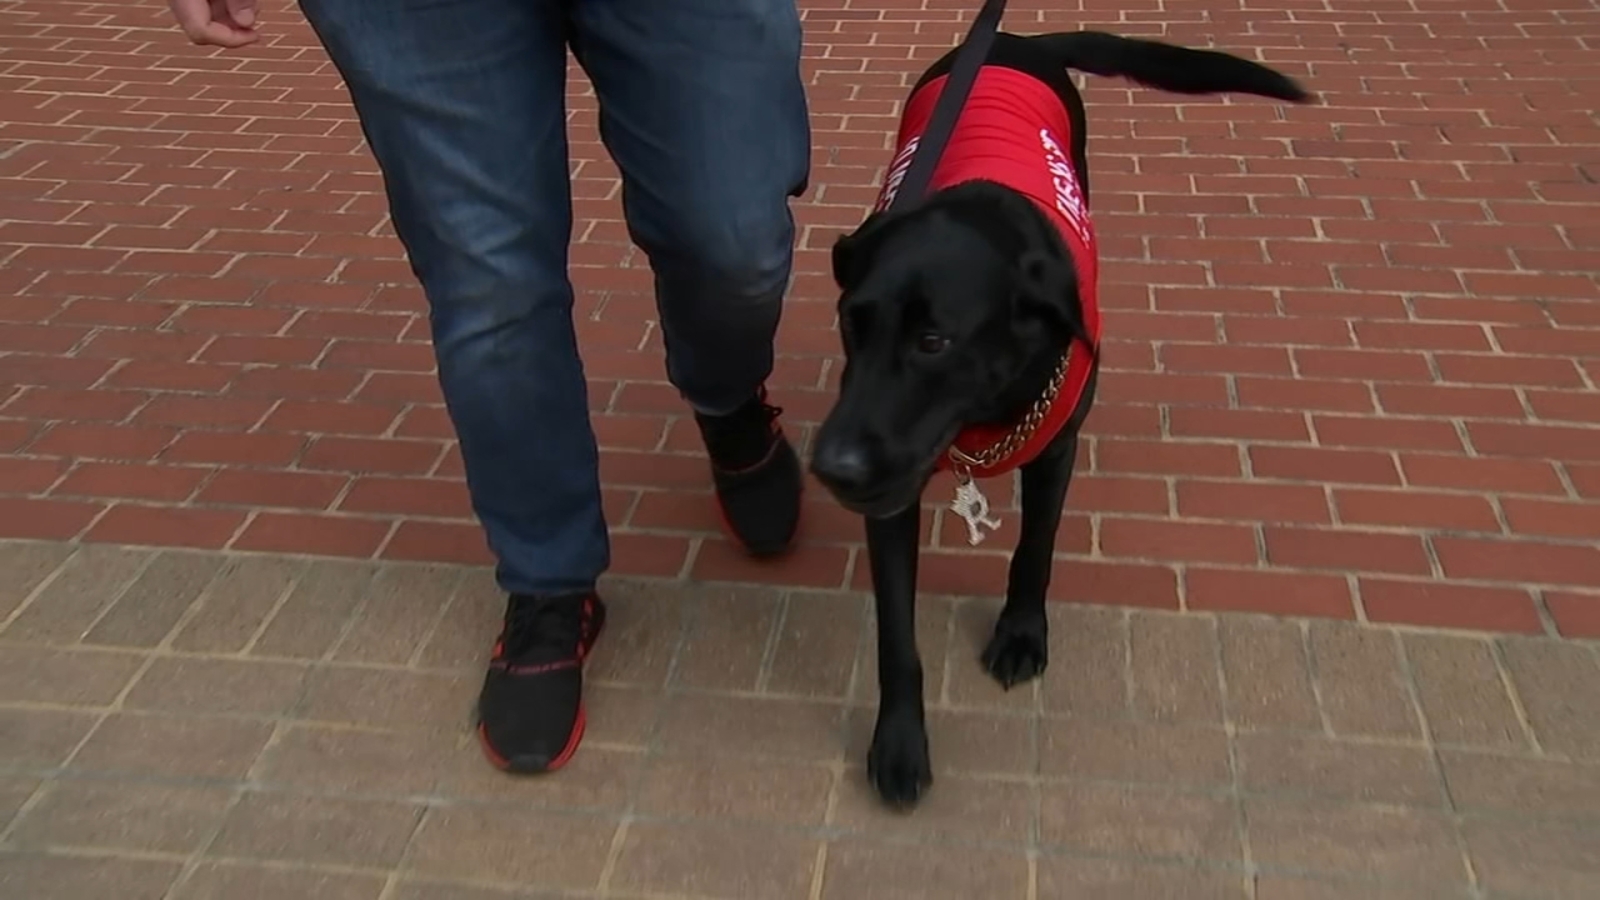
(267,769)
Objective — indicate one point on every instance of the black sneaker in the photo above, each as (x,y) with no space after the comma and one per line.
(757,476)
(530,712)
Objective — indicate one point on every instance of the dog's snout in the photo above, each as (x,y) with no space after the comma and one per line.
(842,466)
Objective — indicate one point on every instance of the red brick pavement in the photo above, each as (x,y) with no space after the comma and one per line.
(1353,348)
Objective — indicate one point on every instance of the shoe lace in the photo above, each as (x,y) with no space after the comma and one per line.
(768,414)
(542,629)
(743,437)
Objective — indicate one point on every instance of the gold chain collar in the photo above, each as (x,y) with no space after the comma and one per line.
(963,464)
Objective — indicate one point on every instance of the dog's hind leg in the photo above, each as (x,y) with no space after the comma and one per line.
(897,764)
(1020,647)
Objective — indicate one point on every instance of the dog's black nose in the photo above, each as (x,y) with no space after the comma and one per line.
(842,467)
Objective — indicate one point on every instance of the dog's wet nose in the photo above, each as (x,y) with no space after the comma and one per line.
(843,467)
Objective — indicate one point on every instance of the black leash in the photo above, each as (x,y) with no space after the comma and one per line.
(964,68)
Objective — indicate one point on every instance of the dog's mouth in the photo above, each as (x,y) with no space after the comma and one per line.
(883,504)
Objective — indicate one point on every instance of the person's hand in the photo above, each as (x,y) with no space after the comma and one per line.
(218,23)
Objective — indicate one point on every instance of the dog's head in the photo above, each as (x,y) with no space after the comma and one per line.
(952,313)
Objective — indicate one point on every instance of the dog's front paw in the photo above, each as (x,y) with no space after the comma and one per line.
(897,764)
(1018,651)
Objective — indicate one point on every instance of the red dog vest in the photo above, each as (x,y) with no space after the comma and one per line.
(1014,131)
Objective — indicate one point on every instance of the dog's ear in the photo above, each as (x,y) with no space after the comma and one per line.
(846,256)
(852,251)
(1047,287)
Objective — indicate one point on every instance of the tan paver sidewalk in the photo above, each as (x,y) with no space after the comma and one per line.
(189,725)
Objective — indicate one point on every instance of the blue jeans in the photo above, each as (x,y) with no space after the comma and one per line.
(703,109)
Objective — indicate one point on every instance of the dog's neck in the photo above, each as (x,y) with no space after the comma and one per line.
(1025,390)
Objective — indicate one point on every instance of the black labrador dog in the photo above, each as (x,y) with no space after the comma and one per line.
(970,331)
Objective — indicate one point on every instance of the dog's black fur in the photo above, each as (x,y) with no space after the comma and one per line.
(955,313)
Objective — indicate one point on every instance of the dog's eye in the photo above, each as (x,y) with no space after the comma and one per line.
(931,342)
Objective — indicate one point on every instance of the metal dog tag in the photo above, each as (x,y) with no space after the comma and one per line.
(973,508)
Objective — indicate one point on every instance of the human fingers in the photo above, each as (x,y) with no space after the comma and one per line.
(202,25)
(241,12)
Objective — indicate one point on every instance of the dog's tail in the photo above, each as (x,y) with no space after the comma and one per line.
(1169,67)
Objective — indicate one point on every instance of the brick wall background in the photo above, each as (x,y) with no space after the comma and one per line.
(1352,358)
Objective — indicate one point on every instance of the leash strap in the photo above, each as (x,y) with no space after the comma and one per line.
(969,59)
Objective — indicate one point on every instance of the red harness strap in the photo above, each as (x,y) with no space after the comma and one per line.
(1014,131)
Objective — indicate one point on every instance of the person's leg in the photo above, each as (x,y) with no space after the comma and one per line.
(702,105)
(462,102)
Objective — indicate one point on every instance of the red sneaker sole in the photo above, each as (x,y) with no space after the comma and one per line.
(561,759)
